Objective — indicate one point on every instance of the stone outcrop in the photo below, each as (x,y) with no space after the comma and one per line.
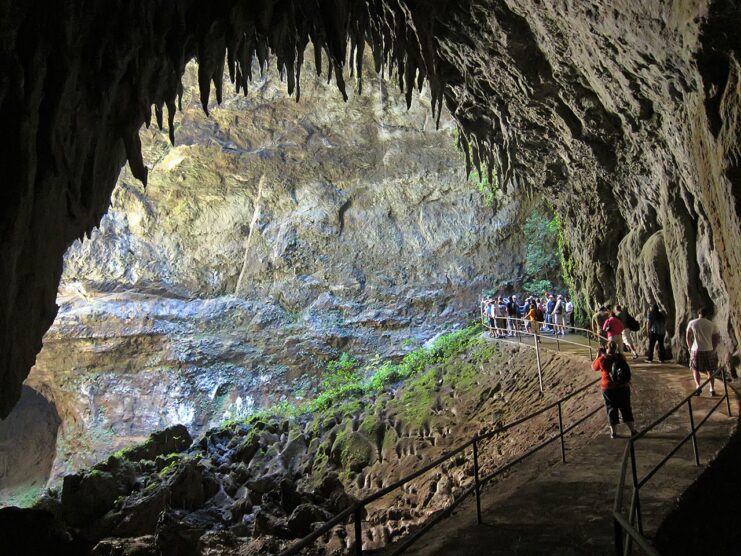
(275,236)
(626,116)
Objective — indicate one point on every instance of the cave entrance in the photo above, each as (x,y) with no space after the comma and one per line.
(271,239)
(28,438)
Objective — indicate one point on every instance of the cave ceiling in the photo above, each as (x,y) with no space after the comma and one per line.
(625,115)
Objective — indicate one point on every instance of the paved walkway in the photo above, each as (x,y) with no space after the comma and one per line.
(565,508)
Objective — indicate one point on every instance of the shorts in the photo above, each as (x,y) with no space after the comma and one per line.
(628,336)
(703,361)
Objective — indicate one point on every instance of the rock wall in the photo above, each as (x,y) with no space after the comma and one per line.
(273,237)
(625,114)
(627,118)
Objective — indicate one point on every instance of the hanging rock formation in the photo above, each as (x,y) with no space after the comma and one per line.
(627,116)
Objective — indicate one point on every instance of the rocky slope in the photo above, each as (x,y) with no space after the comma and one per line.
(275,236)
(252,486)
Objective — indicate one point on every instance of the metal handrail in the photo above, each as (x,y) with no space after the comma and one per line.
(587,330)
(538,338)
(591,334)
(356,509)
(625,529)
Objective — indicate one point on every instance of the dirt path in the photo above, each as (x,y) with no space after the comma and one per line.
(565,508)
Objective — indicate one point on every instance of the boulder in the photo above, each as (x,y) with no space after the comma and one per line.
(140,546)
(161,443)
(268,524)
(87,496)
(303,516)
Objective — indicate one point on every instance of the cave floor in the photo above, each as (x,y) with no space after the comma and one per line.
(566,508)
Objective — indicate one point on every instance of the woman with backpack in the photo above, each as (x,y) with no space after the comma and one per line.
(615,386)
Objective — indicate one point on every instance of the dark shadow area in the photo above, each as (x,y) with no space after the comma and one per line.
(705,520)
(28,440)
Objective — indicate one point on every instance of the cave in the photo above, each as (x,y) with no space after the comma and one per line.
(622,120)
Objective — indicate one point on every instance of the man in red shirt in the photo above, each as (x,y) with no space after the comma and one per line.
(614,328)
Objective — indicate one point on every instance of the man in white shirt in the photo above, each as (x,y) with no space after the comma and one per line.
(569,313)
(702,338)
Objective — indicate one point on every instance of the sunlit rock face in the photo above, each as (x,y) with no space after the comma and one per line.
(625,115)
(273,237)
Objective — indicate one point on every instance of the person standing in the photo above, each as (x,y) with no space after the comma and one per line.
(702,338)
(615,385)
(598,321)
(512,316)
(614,328)
(489,308)
(569,314)
(626,318)
(501,311)
(560,315)
(656,329)
(532,314)
(549,306)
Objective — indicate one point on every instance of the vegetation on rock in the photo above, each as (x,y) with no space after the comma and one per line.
(543,266)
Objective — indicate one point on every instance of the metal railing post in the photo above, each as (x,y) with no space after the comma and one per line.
(636,487)
(537,360)
(618,533)
(476,479)
(358,531)
(558,345)
(725,391)
(694,436)
(560,432)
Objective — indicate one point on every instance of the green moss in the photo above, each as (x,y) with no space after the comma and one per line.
(390,439)
(27,497)
(353,450)
(371,425)
(417,398)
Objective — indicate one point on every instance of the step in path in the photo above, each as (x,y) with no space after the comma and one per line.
(565,508)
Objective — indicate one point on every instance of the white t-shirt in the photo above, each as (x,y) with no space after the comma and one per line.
(702,331)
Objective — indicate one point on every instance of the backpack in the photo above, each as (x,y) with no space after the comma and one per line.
(538,314)
(632,324)
(658,324)
(618,370)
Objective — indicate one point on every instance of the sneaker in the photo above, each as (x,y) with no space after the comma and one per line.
(697,392)
(712,392)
